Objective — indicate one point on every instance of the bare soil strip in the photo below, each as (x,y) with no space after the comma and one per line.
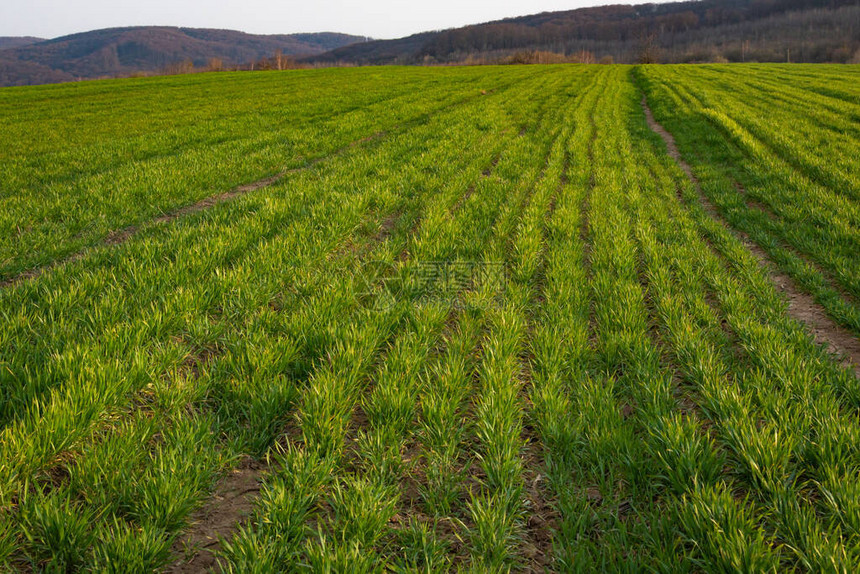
(585,235)
(801,306)
(543,515)
(234,497)
(231,503)
(541,507)
(122,235)
(487,172)
(833,283)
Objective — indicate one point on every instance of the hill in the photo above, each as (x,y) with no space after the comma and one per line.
(692,31)
(123,51)
(17,41)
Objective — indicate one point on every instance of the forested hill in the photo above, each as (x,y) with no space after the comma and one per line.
(697,31)
(692,31)
(17,41)
(124,51)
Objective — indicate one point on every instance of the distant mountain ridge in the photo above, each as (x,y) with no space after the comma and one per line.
(17,41)
(116,52)
(690,31)
(687,31)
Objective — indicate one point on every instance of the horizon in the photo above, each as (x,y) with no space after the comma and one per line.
(407,21)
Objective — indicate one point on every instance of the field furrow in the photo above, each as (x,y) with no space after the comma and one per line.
(568,318)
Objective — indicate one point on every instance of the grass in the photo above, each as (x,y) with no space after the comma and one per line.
(799,188)
(633,395)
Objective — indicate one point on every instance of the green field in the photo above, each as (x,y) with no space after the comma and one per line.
(477,319)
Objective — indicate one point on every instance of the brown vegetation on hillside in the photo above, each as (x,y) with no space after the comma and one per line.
(677,32)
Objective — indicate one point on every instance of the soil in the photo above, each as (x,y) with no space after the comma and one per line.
(487,172)
(542,516)
(229,506)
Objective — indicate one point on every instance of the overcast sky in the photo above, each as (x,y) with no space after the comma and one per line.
(377,18)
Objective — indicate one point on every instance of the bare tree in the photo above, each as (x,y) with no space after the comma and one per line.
(649,53)
(582,57)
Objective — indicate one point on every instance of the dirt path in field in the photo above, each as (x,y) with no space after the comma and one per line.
(829,279)
(234,497)
(229,506)
(120,236)
(487,172)
(801,305)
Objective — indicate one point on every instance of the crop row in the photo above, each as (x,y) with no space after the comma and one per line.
(163,358)
(789,182)
(504,334)
(66,185)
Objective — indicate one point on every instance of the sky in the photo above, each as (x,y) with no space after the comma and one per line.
(375,18)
